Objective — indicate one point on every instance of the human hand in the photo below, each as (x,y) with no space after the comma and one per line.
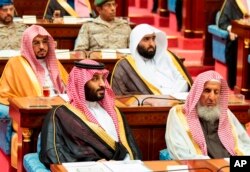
(232,36)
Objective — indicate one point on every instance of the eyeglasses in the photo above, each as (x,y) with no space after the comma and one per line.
(110,4)
(43,42)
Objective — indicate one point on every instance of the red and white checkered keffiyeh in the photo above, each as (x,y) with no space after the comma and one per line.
(224,129)
(78,77)
(28,53)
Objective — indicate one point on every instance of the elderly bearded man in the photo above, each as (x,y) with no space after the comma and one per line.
(204,127)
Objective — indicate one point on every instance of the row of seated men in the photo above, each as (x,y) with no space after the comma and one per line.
(100,130)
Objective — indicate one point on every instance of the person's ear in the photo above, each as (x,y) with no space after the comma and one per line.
(98,9)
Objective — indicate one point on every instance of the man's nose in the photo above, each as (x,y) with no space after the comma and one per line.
(41,45)
(9,11)
(152,42)
(212,95)
(102,83)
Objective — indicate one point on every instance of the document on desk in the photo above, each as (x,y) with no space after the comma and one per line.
(9,53)
(62,53)
(64,97)
(180,168)
(107,166)
(85,166)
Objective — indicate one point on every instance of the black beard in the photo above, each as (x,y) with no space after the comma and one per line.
(145,53)
(91,95)
(7,22)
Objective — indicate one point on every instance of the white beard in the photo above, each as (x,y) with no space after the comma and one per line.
(208,113)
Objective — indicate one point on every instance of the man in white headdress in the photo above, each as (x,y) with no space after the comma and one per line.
(204,127)
(150,69)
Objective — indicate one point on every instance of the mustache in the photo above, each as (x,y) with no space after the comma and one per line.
(101,89)
(42,50)
(151,47)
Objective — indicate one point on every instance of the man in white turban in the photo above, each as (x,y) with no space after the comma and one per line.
(150,69)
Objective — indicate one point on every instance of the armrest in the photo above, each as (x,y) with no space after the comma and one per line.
(215,30)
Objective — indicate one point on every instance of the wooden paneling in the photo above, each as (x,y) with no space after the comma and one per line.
(30,7)
(242,29)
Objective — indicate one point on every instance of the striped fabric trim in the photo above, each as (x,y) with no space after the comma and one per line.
(242,7)
(153,89)
(32,75)
(123,137)
(67,7)
(179,68)
(96,128)
(182,117)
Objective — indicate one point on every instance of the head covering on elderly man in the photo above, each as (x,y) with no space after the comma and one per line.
(224,129)
(5,2)
(200,137)
(100,2)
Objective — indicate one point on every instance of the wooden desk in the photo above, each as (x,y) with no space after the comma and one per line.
(242,29)
(200,165)
(29,121)
(148,124)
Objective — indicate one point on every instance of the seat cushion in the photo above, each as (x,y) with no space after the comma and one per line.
(5,129)
(32,163)
(219,38)
(171,5)
(164,155)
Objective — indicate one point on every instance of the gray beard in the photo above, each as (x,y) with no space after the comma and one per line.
(210,114)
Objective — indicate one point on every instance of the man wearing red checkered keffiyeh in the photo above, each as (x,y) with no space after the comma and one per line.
(25,75)
(204,127)
(90,128)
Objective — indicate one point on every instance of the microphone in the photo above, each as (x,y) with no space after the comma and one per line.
(163,98)
(129,96)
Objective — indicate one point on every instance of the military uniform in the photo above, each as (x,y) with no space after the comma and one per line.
(10,35)
(99,34)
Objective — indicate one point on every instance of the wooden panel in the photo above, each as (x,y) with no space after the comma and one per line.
(242,29)
(30,7)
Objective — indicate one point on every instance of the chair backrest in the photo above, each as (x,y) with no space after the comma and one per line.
(172,5)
